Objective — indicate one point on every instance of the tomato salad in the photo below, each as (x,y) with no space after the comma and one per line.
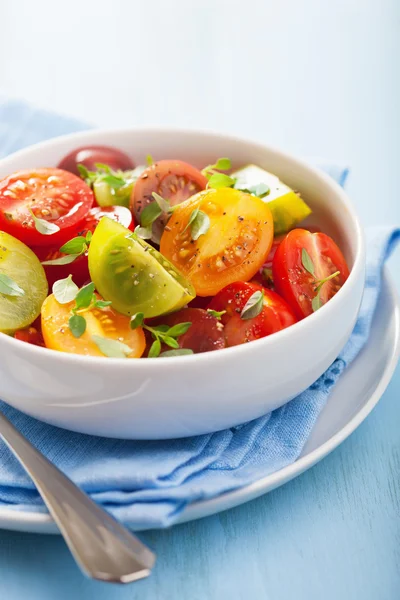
(102,258)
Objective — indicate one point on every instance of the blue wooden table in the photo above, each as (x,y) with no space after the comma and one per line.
(317,78)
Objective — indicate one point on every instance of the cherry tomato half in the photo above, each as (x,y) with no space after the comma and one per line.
(174,180)
(274,316)
(79,269)
(295,283)
(53,195)
(233,247)
(90,155)
(104,322)
(31,335)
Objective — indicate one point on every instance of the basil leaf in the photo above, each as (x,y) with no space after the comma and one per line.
(111,348)
(75,246)
(149,160)
(9,287)
(137,320)
(306,261)
(192,218)
(179,329)
(150,214)
(170,341)
(102,303)
(177,352)
(223,164)
(63,260)
(84,297)
(216,313)
(253,306)
(155,349)
(77,325)
(44,227)
(162,203)
(316,302)
(220,180)
(200,225)
(65,290)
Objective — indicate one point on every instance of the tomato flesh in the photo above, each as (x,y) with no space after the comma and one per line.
(174,180)
(53,195)
(233,248)
(30,335)
(274,316)
(90,155)
(292,280)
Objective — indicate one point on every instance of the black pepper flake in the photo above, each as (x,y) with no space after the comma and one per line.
(223,214)
(240,218)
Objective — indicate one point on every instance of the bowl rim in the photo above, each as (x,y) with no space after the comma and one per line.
(122,363)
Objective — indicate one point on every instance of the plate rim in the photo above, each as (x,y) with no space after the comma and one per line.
(39,522)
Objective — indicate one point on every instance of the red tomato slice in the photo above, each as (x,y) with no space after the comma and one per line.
(274,316)
(174,180)
(31,335)
(90,155)
(54,195)
(204,335)
(79,269)
(294,282)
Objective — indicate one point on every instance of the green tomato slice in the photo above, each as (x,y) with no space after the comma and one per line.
(287,208)
(22,266)
(133,275)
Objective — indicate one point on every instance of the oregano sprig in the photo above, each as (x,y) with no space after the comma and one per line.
(161,334)
(308,265)
(215,178)
(72,250)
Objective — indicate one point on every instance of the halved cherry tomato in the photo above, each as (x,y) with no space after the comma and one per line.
(232,249)
(53,195)
(106,323)
(30,335)
(274,316)
(174,180)
(79,269)
(294,282)
(206,333)
(90,155)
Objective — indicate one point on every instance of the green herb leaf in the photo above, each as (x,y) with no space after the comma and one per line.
(65,290)
(162,328)
(114,181)
(162,203)
(192,218)
(88,237)
(253,306)
(261,190)
(223,164)
(75,246)
(155,349)
(137,320)
(316,302)
(103,167)
(111,348)
(143,233)
(83,171)
(84,297)
(77,325)
(44,227)
(306,261)
(9,287)
(149,160)
(179,329)
(216,313)
(267,275)
(102,303)
(62,260)
(200,225)
(177,352)
(170,341)
(220,180)
(150,214)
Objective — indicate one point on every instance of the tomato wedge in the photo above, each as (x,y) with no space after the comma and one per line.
(31,335)
(274,315)
(89,156)
(174,180)
(303,270)
(106,323)
(79,269)
(52,195)
(233,246)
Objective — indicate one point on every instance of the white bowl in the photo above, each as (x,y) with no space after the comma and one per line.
(188,395)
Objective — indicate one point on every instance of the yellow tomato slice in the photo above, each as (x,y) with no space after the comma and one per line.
(106,323)
(234,247)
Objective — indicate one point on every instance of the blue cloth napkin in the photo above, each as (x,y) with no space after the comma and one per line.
(148,484)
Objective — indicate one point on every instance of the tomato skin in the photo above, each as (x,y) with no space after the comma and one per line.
(31,335)
(174,180)
(46,192)
(79,269)
(233,248)
(274,316)
(291,279)
(90,155)
(204,335)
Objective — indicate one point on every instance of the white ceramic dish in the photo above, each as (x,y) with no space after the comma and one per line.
(351,401)
(188,395)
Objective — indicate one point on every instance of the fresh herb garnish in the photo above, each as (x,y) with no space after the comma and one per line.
(216,313)
(222,164)
(44,227)
(261,189)
(149,160)
(199,223)
(150,214)
(9,287)
(253,306)
(77,325)
(161,334)
(306,261)
(176,352)
(84,297)
(143,233)
(162,202)
(317,283)
(220,180)
(111,348)
(65,290)
(73,249)
(137,320)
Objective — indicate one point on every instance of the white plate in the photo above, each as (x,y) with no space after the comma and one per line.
(353,398)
